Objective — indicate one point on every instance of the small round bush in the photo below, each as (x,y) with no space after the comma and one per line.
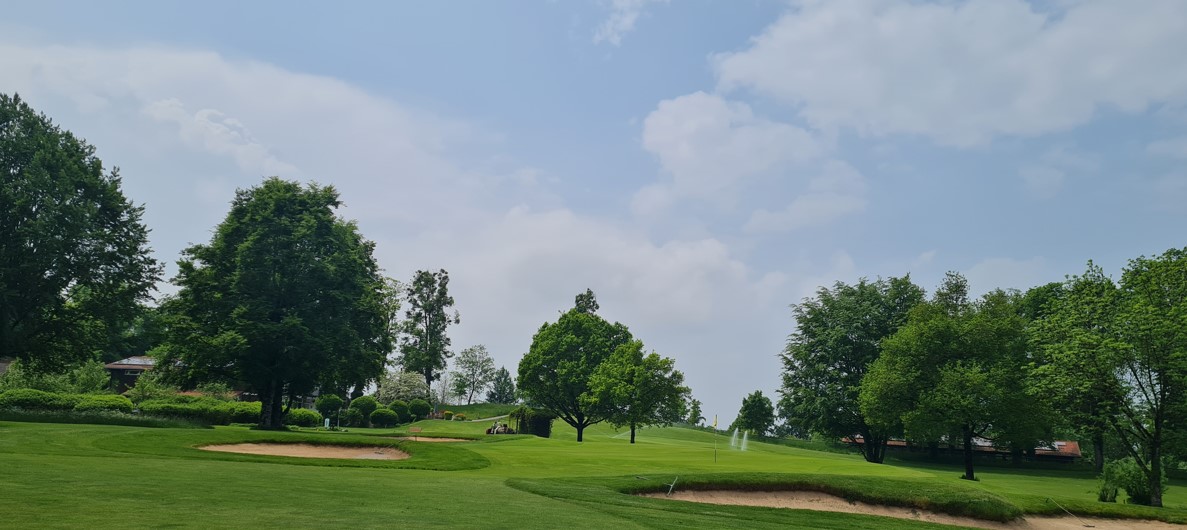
(384,418)
(364,404)
(419,408)
(303,418)
(30,399)
(401,410)
(447,415)
(461,416)
(328,405)
(94,402)
(244,411)
(352,418)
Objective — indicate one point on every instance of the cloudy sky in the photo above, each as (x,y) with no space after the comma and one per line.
(700,165)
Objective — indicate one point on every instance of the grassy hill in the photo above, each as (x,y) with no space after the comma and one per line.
(98,476)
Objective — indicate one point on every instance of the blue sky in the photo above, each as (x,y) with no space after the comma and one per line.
(700,165)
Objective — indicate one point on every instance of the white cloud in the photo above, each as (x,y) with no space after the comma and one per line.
(837,192)
(213,131)
(709,144)
(963,73)
(1169,147)
(623,16)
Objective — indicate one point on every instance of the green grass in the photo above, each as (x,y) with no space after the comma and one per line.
(97,476)
(479,411)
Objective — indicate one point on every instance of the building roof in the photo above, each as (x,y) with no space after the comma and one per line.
(136,362)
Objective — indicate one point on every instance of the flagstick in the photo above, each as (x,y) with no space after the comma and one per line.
(714,438)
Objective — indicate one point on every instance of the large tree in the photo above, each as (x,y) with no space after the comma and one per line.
(286,298)
(74,256)
(555,373)
(475,371)
(424,345)
(403,386)
(1151,360)
(636,390)
(838,335)
(757,414)
(957,367)
(1076,343)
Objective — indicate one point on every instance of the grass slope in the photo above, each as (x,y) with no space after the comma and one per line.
(97,476)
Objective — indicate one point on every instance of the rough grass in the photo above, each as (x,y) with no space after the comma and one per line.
(71,476)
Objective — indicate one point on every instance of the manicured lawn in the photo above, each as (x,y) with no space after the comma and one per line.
(96,476)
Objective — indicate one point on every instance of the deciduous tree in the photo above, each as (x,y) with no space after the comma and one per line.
(757,414)
(424,345)
(475,371)
(74,256)
(838,335)
(635,390)
(556,371)
(286,298)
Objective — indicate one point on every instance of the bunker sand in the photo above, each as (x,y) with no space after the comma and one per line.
(311,451)
(810,500)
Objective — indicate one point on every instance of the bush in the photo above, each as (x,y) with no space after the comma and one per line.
(365,405)
(30,399)
(18,376)
(447,415)
(1126,474)
(328,405)
(384,418)
(219,391)
(150,386)
(111,402)
(203,410)
(90,378)
(352,418)
(401,410)
(245,411)
(461,416)
(303,418)
(419,408)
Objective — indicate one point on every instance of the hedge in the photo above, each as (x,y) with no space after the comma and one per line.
(110,402)
(303,418)
(29,399)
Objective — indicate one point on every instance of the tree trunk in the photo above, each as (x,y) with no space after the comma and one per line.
(1155,473)
(874,447)
(580,432)
(1098,452)
(933,450)
(968,453)
(266,407)
(632,432)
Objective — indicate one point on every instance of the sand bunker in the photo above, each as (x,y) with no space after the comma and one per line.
(311,451)
(429,439)
(810,500)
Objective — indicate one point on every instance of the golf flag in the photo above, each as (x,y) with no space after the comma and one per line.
(714,421)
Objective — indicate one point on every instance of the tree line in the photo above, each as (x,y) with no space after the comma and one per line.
(1088,358)
(285,300)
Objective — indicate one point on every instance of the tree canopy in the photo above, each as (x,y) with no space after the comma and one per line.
(757,414)
(286,298)
(838,335)
(475,371)
(636,390)
(424,345)
(74,256)
(502,388)
(555,373)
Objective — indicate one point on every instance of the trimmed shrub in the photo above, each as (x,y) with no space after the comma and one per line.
(204,410)
(352,418)
(95,402)
(328,405)
(401,410)
(244,411)
(303,418)
(365,405)
(447,415)
(384,418)
(461,416)
(1126,474)
(30,399)
(419,408)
